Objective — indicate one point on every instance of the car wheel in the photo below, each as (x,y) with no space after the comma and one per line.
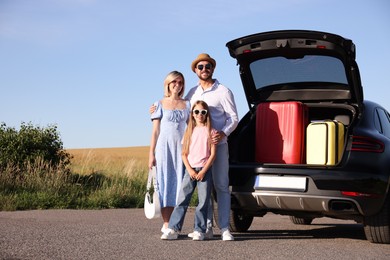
(239,222)
(377,227)
(301,221)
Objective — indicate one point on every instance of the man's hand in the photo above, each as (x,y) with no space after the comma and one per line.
(152,109)
(217,137)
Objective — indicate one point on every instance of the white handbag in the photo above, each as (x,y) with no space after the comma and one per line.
(152,206)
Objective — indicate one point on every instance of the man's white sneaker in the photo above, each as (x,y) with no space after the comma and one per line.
(208,235)
(226,236)
(169,234)
(197,236)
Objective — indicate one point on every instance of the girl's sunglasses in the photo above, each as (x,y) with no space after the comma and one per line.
(197,111)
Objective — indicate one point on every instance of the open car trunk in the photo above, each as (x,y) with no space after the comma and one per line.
(244,147)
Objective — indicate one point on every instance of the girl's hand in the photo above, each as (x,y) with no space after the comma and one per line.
(200,176)
(193,174)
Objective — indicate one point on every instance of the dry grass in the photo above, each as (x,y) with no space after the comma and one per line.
(109,160)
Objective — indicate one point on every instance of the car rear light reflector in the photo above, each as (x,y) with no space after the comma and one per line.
(366,144)
(358,194)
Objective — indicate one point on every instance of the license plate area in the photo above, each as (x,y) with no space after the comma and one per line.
(280,183)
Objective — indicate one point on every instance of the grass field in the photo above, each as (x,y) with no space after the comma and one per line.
(109,160)
(98,178)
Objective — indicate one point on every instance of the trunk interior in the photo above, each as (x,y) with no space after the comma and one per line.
(242,142)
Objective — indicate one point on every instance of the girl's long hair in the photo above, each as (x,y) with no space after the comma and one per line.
(192,124)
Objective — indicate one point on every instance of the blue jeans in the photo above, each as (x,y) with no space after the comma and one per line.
(187,189)
(220,172)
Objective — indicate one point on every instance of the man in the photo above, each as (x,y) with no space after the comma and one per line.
(224,119)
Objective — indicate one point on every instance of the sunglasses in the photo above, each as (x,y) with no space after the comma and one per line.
(207,66)
(202,112)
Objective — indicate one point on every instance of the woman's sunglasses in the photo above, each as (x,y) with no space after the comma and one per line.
(197,111)
(207,66)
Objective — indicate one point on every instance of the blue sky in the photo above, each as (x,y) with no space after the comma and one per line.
(94,67)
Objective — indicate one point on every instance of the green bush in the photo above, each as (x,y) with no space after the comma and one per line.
(29,145)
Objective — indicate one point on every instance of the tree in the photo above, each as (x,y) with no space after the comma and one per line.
(29,144)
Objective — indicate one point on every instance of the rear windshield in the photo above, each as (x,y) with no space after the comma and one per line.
(310,68)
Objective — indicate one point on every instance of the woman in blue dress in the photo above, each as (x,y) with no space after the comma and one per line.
(169,123)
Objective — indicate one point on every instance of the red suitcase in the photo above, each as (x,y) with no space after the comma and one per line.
(280,132)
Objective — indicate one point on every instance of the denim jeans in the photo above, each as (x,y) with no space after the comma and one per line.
(220,173)
(187,189)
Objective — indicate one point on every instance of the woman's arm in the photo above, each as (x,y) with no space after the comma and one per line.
(153,142)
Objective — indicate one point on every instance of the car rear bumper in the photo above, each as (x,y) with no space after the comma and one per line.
(322,195)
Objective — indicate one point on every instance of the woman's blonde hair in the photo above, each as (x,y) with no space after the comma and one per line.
(191,125)
(171,77)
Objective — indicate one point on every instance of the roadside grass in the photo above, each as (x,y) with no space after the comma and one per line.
(96,179)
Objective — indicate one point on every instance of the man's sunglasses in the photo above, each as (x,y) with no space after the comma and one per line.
(197,111)
(207,66)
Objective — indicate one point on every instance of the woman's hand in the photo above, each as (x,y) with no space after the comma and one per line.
(152,161)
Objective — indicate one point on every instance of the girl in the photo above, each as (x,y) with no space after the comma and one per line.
(198,153)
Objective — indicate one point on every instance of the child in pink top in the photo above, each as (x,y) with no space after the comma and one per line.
(198,153)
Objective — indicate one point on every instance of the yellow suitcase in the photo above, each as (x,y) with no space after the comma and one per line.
(324,142)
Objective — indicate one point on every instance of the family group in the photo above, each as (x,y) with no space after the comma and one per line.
(189,150)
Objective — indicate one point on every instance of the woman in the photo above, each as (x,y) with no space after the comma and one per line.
(169,123)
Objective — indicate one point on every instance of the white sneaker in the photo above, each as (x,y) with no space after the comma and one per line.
(170,234)
(197,236)
(164,229)
(208,235)
(226,236)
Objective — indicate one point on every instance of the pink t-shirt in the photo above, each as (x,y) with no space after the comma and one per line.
(199,148)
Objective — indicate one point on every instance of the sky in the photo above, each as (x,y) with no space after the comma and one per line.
(93,67)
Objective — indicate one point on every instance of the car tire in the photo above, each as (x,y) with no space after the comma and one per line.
(239,222)
(377,227)
(301,221)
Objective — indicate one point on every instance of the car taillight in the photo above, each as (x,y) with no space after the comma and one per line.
(366,144)
(358,194)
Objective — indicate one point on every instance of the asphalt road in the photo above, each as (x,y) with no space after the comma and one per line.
(127,234)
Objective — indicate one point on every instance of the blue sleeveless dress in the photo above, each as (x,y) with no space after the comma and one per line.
(169,164)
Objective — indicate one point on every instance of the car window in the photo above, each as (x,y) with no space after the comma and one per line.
(385,123)
(310,68)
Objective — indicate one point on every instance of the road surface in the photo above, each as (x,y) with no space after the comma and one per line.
(127,234)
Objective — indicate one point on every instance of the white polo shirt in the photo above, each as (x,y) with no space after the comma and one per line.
(222,106)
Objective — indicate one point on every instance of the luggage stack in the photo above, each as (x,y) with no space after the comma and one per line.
(285,136)
(280,132)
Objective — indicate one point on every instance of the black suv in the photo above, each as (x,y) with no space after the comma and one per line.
(317,71)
